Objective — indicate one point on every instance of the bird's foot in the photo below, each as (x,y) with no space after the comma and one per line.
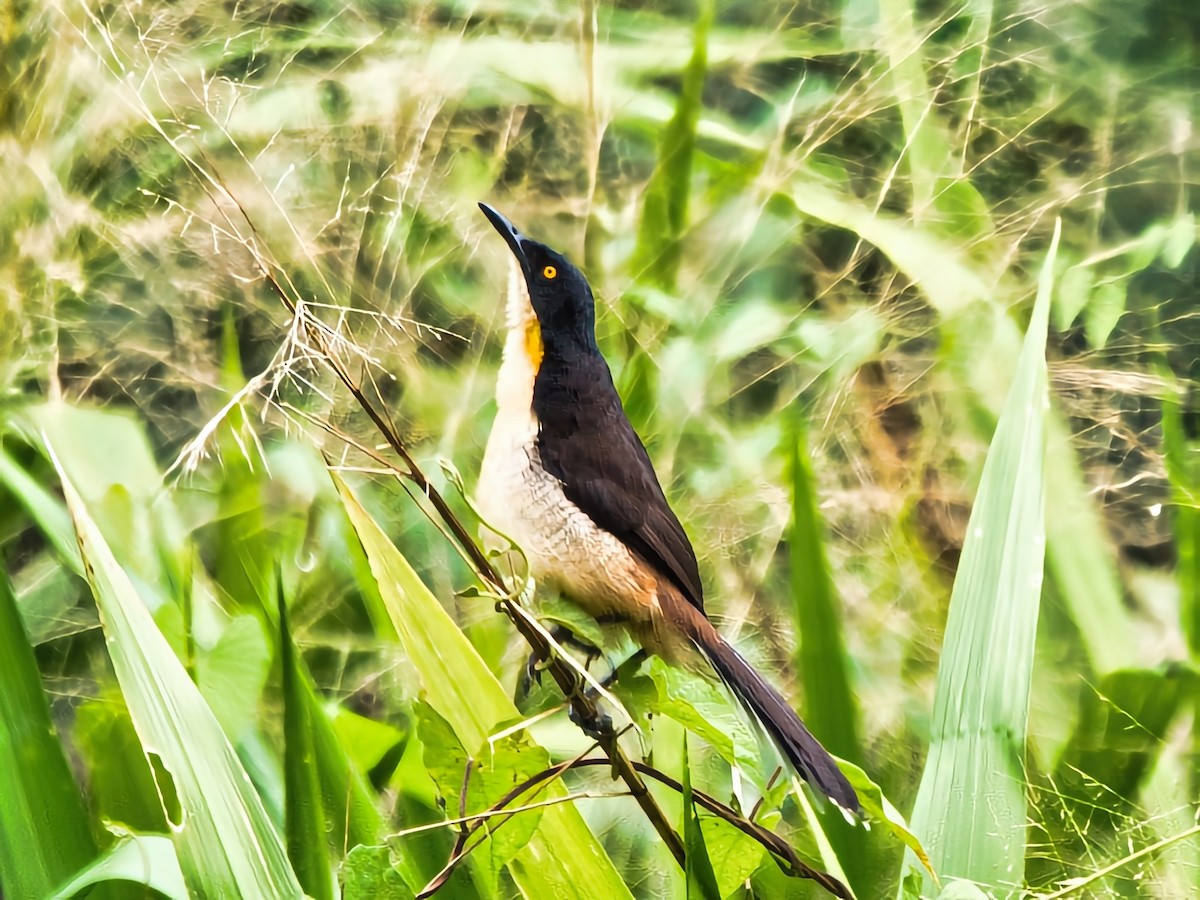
(537,661)
(598,725)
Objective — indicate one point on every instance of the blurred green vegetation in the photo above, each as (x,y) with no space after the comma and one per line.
(814,233)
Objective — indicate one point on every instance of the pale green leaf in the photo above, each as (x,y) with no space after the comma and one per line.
(147,859)
(970,810)
(225,842)
(231,675)
(1104,311)
(115,473)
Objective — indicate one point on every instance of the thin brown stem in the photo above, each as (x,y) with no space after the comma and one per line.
(784,854)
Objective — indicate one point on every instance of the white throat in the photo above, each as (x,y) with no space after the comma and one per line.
(514,384)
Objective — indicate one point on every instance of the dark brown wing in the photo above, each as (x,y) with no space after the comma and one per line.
(586,441)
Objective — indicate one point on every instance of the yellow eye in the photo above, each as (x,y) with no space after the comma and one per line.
(550,272)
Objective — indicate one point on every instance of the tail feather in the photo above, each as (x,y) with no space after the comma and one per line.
(803,751)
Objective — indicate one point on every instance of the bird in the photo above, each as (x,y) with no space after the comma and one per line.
(567,479)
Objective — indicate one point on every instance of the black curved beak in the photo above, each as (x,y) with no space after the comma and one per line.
(508,231)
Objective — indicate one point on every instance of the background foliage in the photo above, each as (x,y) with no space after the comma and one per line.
(814,233)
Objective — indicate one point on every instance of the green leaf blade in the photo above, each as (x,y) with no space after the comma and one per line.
(305,812)
(42,820)
(700,879)
(971,811)
(225,842)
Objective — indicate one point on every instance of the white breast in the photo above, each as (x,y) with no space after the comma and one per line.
(565,548)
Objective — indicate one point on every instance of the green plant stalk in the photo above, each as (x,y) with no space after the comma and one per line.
(821,660)
(304,820)
(664,211)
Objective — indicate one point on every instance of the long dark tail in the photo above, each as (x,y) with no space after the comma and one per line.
(803,751)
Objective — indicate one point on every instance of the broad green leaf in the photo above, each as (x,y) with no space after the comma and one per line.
(46,832)
(1103,312)
(367,741)
(880,811)
(563,858)
(225,842)
(420,855)
(496,768)
(703,707)
(115,473)
(1074,290)
(1179,240)
(970,808)
(733,853)
(231,674)
(304,822)
(147,859)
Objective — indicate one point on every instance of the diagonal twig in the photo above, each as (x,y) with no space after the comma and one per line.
(784,854)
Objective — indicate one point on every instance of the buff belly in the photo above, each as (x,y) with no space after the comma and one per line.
(566,550)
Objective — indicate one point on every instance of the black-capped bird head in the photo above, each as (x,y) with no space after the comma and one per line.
(558,293)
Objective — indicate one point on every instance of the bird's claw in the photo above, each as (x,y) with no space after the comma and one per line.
(536,662)
(598,726)
(531,673)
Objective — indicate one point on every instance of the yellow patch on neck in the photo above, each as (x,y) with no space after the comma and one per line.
(533,343)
